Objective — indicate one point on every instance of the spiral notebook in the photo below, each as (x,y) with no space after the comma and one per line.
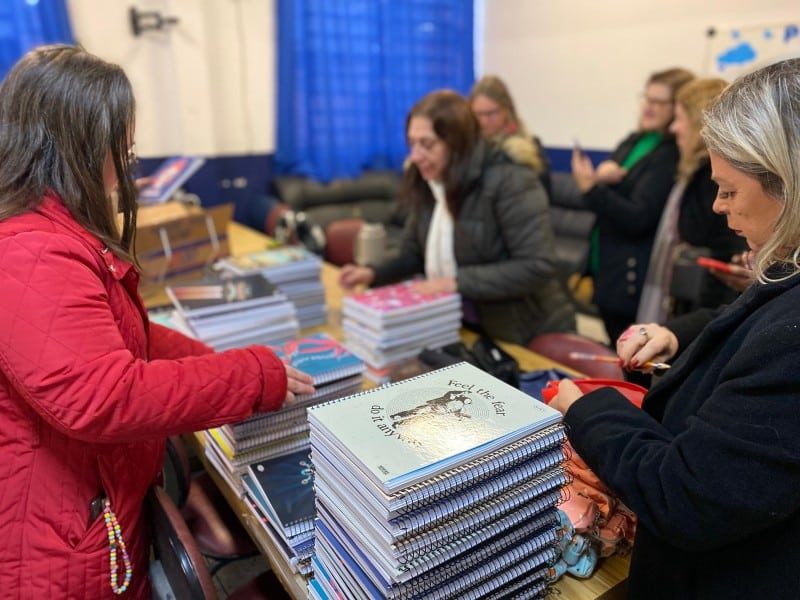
(253,426)
(215,295)
(455,578)
(397,546)
(287,263)
(404,433)
(546,444)
(473,547)
(396,303)
(322,357)
(234,449)
(240,462)
(283,487)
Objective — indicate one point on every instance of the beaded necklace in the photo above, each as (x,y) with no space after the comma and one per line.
(115,541)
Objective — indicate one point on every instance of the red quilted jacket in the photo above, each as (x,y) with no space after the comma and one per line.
(88,392)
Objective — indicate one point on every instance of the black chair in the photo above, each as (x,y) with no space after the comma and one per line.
(218,532)
(180,571)
(180,559)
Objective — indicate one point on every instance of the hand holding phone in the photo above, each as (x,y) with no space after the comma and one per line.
(717,265)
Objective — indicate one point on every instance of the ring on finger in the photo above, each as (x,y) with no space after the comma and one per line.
(643,332)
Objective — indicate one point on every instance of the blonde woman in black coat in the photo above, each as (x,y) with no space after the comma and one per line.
(711,465)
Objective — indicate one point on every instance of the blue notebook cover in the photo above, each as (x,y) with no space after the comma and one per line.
(287,484)
(169,176)
(407,432)
(320,356)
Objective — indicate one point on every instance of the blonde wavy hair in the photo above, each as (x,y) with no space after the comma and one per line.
(694,97)
(755,126)
(492,87)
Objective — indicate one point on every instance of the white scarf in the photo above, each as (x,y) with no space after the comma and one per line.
(440,259)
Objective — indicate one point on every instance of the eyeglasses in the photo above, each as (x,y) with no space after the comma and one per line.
(488,114)
(654,101)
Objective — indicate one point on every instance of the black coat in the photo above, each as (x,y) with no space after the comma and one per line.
(627,218)
(503,245)
(711,466)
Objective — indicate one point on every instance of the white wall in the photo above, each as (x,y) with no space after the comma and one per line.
(205,86)
(576,67)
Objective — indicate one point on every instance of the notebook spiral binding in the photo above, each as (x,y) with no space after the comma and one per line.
(489,568)
(473,539)
(441,510)
(422,543)
(473,584)
(531,584)
(482,468)
(564,493)
(526,585)
(541,527)
(496,505)
(251,425)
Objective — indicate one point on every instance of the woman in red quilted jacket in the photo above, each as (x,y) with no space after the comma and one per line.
(88,388)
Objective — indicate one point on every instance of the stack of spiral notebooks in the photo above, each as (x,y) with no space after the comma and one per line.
(440,486)
(391,324)
(229,311)
(280,495)
(231,449)
(296,272)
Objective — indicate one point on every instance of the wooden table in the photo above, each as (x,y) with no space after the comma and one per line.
(609,582)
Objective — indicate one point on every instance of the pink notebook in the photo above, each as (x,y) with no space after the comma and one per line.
(398,298)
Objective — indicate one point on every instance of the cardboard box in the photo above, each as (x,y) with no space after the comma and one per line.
(176,241)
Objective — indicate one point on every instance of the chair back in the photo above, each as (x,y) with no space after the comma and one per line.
(341,238)
(176,472)
(572,224)
(557,346)
(183,565)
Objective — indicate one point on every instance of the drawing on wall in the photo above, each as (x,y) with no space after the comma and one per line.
(734,51)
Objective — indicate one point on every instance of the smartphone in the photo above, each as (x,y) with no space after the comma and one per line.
(96,507)
(713,263)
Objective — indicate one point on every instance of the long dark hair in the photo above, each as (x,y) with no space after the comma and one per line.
(62,111)
(453,122)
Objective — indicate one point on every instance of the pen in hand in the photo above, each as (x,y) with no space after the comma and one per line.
(613,359)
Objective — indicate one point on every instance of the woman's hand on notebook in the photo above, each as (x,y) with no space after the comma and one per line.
(352,275)
(299,384)
(435,285)
(646,343)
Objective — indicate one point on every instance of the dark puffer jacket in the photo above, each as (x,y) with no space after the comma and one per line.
(503,246)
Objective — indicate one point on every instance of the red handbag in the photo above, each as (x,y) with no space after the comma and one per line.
(634,393)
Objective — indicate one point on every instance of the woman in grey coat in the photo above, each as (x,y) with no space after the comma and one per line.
(478,226)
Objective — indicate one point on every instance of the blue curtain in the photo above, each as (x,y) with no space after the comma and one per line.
(349,71)
(28,23)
